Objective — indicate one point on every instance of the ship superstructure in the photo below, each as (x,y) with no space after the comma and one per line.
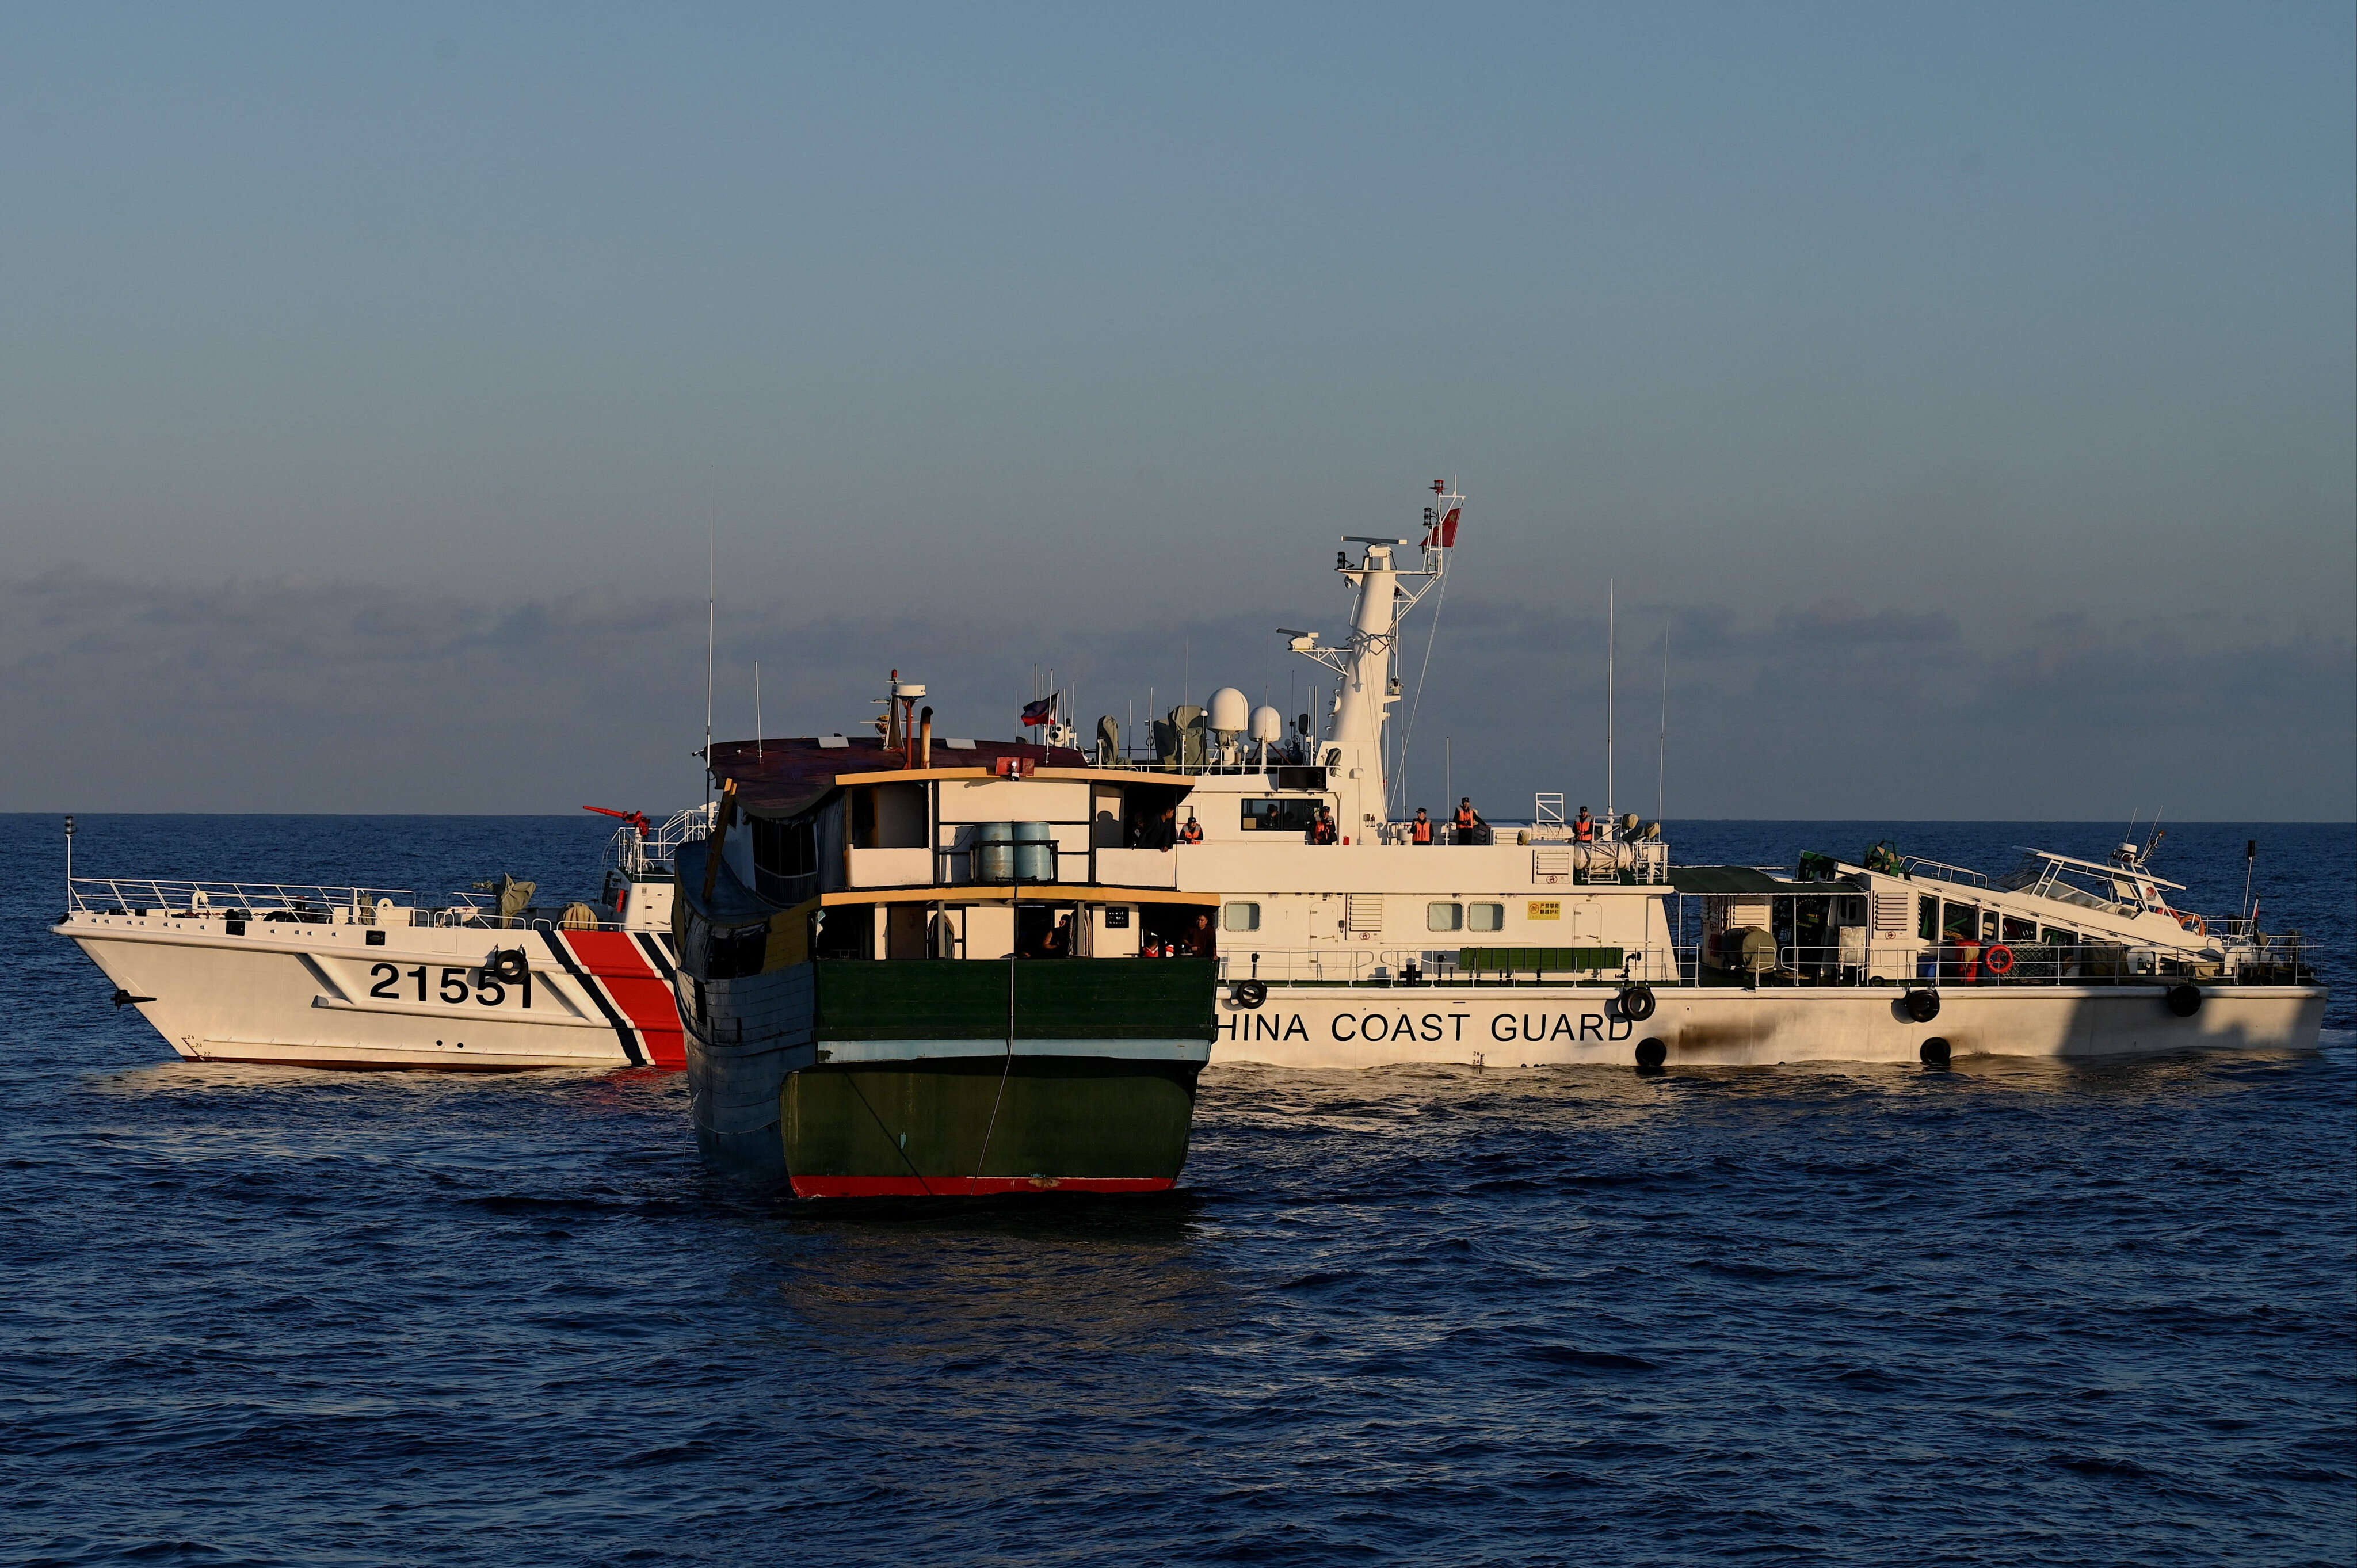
(1353,937)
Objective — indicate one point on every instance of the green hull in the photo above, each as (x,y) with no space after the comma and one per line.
(965,1125)
(1054,999)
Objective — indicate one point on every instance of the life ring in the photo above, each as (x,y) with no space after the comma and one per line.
(1923,1005)
(1249,993)
(1637,1004)
(1999,960)
(2194,923)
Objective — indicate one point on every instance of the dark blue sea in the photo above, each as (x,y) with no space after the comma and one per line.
(2003,1313)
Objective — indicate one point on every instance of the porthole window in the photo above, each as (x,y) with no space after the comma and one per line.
(1444,917)
(1240,917)
(1485,917)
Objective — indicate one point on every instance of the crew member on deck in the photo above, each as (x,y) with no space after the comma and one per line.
(1199,938)
(1420,830)
(1163,830)
(1583,829)
(1192,833)
(1321,830)
(1468,821)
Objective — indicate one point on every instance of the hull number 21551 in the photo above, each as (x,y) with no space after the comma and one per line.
(456,988)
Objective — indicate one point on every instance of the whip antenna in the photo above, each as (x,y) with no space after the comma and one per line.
(1609,627)
(711,627)
(1660,784)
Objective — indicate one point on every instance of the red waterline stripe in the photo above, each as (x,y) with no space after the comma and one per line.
(641,994)
(967,1187)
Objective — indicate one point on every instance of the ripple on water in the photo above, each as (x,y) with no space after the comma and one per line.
(2009,1312)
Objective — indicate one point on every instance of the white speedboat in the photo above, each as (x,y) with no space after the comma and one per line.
(366,977)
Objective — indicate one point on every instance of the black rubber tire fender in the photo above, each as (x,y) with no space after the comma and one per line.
(1651,1053)
(1249,993)
(1934,1052)
(1923,1005)
(508,965)
(2184,1000)
(1637,1002)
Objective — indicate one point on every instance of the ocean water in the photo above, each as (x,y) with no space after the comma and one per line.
(2006,1313)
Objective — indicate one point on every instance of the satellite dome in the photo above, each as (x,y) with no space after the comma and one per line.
(1267,725)
(1229,707)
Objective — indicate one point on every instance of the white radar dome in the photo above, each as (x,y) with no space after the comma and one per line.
(1229,707)
(1267,725)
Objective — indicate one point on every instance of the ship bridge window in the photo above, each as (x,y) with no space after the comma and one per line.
(1279,816)
(1240,917)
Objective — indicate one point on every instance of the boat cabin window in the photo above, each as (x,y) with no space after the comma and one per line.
(846,932)
(1485,917)
(2056,937)
(1046,931)
(1240,917)
(2017,930)
(1177,930)
(1444,917)
(889,816)
(1961,923)
(784,849)
(738,953)
(1279,816)
(1988,925)
(1927,919)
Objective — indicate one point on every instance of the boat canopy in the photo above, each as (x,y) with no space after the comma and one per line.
(1725,879)
(787,778)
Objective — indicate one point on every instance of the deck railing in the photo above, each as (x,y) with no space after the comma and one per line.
(301,903)
(2274,961)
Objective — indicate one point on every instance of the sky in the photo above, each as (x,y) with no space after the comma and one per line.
(1968,395)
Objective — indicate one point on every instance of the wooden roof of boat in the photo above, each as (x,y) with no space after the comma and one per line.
(786,778)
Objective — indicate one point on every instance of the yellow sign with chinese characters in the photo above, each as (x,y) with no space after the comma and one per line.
(1544,910)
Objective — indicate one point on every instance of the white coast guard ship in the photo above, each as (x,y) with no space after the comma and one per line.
(1577,942)
(366,977)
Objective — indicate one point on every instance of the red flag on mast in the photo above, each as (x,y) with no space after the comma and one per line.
(1444,532)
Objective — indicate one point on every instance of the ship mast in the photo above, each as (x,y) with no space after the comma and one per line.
(1387,590)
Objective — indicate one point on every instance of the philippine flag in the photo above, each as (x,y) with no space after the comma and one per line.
(1041,712)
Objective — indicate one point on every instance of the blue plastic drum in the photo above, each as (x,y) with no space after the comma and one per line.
(994,852)
(1035,852)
